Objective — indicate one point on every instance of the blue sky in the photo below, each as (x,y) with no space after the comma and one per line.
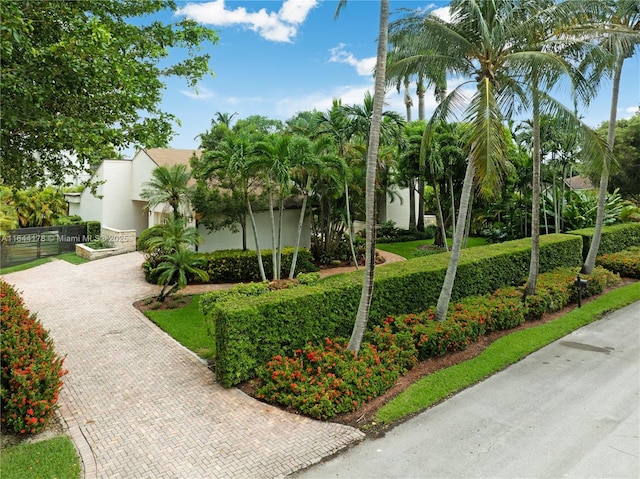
(275,58)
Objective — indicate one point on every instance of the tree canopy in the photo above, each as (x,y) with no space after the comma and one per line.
(83,79)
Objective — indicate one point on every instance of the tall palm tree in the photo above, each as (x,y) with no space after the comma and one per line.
(171,186)
(362,316)
(621,37)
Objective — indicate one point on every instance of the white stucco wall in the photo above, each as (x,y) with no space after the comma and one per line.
(398,209)
(90,207)
(142,167)
(225,239)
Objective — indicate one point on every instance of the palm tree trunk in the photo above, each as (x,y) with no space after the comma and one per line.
(467,223)
(453,205)
(274,260)
(280,218)
(420,225)
(255,238)
(292,271)
(440,216)
(590,261)
(350,226)
(447,287)
(372,165)
(534,264)
(412,204)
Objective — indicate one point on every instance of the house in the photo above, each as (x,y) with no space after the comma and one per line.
(579,183)
(118,204)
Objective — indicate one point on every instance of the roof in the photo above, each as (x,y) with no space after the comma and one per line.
(171,156)
(579,183)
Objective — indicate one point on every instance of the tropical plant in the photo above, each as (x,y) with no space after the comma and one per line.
(620,37)
(174,268)
(170,186)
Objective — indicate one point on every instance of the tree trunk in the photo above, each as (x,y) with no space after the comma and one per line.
(412,204)
(294,260)
(420,225)
(467,223)
(590,261)
(372,163)
(255,238)
(453,205)
(274,255)
(534,264)
(280,219)
(350,227)
(447,287)
(443,230)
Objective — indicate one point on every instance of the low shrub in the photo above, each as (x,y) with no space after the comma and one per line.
(237,266)
(389,233)
(324,380)
(626,263)
(308,278)
(31,369)
(613,238)
(290,318)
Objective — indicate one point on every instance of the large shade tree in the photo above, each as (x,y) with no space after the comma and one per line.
(83,79)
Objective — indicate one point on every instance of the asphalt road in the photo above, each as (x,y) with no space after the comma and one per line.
(570,410)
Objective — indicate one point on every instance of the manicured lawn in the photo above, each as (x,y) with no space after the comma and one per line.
(68,257)
(53,458)
(409,249)
(186,325)
(500,354)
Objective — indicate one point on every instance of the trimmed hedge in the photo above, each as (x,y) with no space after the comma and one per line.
(237,266)
(31,369)
(326,379)
(613,238)
(626,263)
(289,319)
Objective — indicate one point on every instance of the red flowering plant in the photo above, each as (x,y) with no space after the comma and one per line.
(322,381)
(31,370)
(626,262)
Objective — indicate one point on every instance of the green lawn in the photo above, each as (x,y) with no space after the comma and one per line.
(53,458)
(500,354)
(186,325)
(409,249)
(68,257)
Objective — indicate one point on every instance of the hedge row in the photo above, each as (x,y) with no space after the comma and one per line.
(287,320)
(31,369)
(625,263)
(613,238)
(325,379)
(235,266)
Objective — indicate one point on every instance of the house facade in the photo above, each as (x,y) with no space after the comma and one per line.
(118,203)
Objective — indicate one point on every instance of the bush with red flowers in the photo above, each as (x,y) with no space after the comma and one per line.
(31,370)
(626,263)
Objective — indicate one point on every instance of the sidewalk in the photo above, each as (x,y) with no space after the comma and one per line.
(138,404)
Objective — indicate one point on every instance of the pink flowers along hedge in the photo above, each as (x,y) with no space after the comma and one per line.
(31,370)
(324,380)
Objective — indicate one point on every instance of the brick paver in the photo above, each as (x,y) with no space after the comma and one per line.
(139,405)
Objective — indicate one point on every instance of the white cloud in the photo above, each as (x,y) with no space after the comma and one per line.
(630,111)
(280,26)
(442,13)
(199,93)
(363,66)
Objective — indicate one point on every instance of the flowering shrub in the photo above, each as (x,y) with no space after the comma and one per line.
(322,381)
(625,263)
(31,370)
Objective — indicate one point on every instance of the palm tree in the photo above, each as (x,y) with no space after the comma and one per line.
(175,267)
(621,33)
(170,186)
(362,316)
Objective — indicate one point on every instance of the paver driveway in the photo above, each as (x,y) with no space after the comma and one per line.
(138,404)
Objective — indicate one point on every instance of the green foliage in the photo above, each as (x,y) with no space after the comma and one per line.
(500,354)
(308,278)
(93,229)
(51,458)
(31,369)
(290,318)
(54,53)
(625,263)
(614,238)
(324,380)
(389,233)
(34,206)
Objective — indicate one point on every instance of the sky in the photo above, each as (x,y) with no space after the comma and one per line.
(279,57)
